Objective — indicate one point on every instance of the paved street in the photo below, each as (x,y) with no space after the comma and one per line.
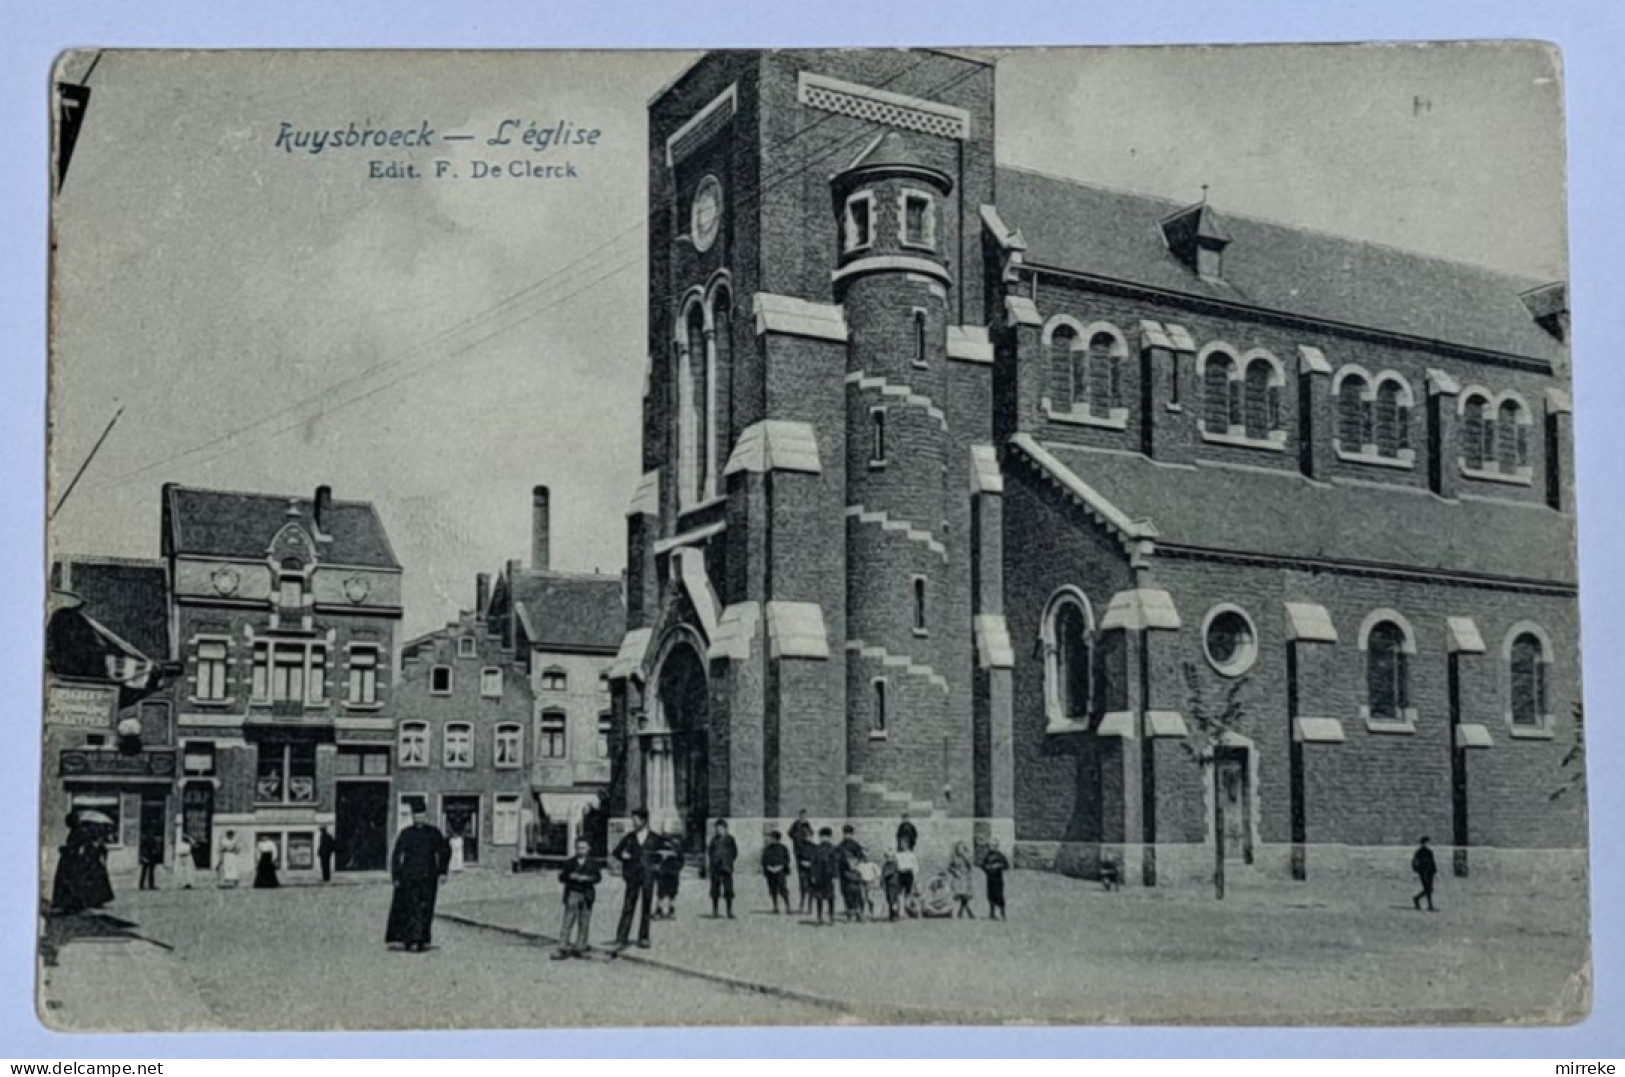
(314,958)
(1335,950)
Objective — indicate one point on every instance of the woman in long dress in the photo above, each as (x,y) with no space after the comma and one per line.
(230,864)
(265,865)
(185,865)
(962,880)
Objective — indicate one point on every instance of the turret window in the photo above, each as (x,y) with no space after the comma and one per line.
(858,223)
(919,338)
(877,437)
(919,220)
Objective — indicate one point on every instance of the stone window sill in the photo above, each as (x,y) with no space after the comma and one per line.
(1062,726)
(1543,731)
(375,706)
(1114,419)
(877,465)
(1523,476)
(1368,454)
(1274,441)
(196,702)
(877,734)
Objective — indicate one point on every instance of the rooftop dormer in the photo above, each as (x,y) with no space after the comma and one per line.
(1198,238)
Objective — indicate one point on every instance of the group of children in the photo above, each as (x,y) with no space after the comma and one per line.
(821,867)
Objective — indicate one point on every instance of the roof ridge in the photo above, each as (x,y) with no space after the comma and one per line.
(1527,280)
(180,487)
(569,574)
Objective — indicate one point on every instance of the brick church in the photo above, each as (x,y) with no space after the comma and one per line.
(1067,516)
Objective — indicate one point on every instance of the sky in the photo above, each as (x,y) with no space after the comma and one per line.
(273,320)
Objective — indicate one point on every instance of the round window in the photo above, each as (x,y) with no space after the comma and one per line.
(1230,641)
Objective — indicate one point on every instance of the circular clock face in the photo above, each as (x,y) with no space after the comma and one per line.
(705,216)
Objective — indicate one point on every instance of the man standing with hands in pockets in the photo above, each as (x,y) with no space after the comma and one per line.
(636,855)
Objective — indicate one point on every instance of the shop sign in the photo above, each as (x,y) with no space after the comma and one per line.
(81,762)
(81,706)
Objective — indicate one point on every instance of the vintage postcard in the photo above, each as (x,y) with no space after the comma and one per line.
(780,537)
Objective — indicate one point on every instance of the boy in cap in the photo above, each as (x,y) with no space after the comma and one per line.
(580,877)
(994,865)
(851,858)
(824,869)
(720,856)
(776,866)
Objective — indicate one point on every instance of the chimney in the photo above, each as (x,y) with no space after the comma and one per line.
(482,593)
(539,537)
(324,508)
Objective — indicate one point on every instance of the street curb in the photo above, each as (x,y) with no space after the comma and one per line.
(640,958)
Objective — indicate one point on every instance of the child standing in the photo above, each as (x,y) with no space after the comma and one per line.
(824,869)
(580,877)
(892,884)
(776,866)
(667,877)
(960,881)
(995,864)
(852,860)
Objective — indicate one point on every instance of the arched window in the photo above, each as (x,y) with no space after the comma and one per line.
(698,405)
(1352,414)
(1526,659)
(414,744)
(1262,399)
(1476,439)
(550,740)
(719,380)
(1216,394)
(459,744)
(1069,660)
(508,745)
(1105,370)
(1511,436)
(1388,692)
(1063,390)
(1392,421)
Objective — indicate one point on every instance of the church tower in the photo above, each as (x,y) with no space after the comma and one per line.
(814,587)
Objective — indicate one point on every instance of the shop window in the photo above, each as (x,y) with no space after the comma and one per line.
(301,854)
(286,774)
(505,819)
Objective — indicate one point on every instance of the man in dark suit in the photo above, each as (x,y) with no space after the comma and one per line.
(580,878)
(636,855)
(421,859)
(802,844)
(1426,869)
(324,853)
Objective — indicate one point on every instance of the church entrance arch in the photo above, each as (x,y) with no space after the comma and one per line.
(677,764)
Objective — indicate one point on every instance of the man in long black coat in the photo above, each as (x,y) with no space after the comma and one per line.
(1426,869)
(421,859)
(636,853)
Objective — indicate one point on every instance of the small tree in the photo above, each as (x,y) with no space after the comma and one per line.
(1572,766)
(1209,728)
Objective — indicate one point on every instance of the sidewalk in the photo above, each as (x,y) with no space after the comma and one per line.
(1340,951)
(106,983)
